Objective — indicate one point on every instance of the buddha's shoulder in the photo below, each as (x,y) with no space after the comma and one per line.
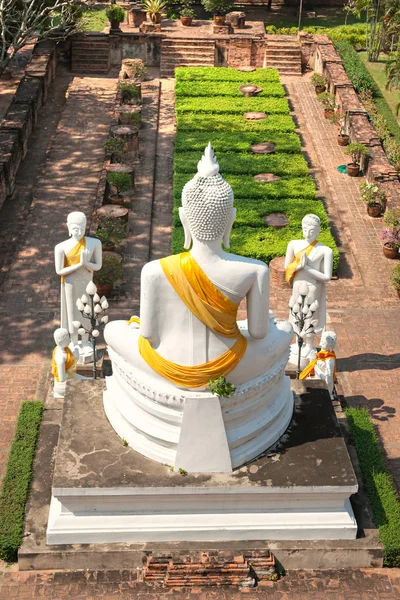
(152,269)
(246,264)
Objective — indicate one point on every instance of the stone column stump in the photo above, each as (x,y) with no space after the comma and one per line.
(114,213)
(277,273)
(237,19)
(136,16)
(130,135)
(129,115)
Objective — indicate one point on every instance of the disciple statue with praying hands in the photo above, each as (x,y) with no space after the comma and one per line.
(75,260)
(308,261)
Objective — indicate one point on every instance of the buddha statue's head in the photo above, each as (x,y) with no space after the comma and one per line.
(311,226)
(207,212)
(76,222)
(328,340)
(61,337)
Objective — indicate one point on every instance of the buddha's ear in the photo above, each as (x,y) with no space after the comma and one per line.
(186,228)
(228,229)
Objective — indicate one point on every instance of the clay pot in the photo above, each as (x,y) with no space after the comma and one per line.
(219,19)
(374,210)
(115,26)
(319,89)
(353,170)
(186,21)
(390,252)
(108,247)
(328,113)
(116,199)
(343,140)
(105,289)
(155,18)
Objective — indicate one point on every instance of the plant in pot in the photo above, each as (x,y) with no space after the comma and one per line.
(122,184)
(319,82)
(391,234)
(115,14)
(340,118)
(154,8)
(131,118)
(329,102)
(356,151)
(117,148)
(134,68)
(218,8)
(186,16)
(130,92)
(110,272)
(395,279)
(110,233)
(374,197)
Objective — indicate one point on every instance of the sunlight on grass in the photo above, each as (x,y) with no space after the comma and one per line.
(94,19)
(377,70)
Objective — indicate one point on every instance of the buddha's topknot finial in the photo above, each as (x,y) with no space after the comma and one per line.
(208,164)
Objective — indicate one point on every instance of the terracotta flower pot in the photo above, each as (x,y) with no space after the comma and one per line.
(328,113)
(219,19)
(390,252)
(353,170)
(374,210)
(319,89)
(155,18)
(115,26)
(116,199)
(343,140)
(186,21)
(104,289)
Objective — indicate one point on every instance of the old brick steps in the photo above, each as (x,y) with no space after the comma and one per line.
(183,52)
(90,54)
(283,53)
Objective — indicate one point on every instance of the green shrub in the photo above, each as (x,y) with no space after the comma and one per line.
(129,91)
(378,483)
(354,34)
(15,488)
(122,181)
(246,164)
(115,13)
(392,149)
(383,109)
(235,142)
(110,272)
(225,74)
(235,123)
(224,88)
(110,232)
(116,147)
(218,7)
(355,68)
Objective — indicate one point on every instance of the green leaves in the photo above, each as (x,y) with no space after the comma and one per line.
(220,104)
(225,88)
(225,74)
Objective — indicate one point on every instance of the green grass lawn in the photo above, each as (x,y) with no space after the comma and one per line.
(325,17)
(94,19)
(377,70)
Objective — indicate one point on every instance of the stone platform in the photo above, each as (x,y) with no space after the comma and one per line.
(118,506)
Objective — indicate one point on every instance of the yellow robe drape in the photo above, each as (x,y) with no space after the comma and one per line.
(291,269)
(321,355)
(213,309)
(74,255)
(70,364)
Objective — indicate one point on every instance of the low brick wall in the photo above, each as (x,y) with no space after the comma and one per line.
(22,114)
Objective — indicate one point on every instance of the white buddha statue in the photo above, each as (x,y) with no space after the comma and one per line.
(188,334)
(75,260)
(64,362)
(324,364)
(309,261)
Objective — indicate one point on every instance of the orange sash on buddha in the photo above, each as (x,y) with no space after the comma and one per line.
(70,364)
(74,255)
(291,269)
(321,355)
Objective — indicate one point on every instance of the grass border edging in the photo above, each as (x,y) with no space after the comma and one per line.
(378,481)
(16,482)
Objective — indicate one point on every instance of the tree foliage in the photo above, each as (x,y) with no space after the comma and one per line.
(383,24)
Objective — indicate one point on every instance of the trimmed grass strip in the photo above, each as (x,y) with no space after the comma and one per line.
(236,142)
(228,106)
(233,123)
(225,74)
(15,488)
(225,88)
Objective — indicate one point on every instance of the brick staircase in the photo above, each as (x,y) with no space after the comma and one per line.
(283,53)
(183,52)
(90,53)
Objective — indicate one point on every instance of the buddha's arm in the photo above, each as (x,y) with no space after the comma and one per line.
(59,256)
(149,305)
(289,255)
(60,361)
(326,274)
(96,261)
(258,304)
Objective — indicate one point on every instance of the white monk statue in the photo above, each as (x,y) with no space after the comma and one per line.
(309,261)
(324,364)
(63,362)
(76,259)
(187,334)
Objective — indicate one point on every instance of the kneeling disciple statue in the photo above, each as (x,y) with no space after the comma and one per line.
(308,261)
(76,259)
(157,398)
(63,362)
(324,364)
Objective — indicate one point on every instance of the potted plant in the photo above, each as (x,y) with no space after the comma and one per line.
(134,68)
(395,279)
(218,8)
(374,197)
(154,8)
(391,234)
(130,92)
(110,272)
(186,16)
(130,117)
(340,118)
(110,233)
(356,151)
(319,82)
(329,102)
(115,14)
(117,148)
(122,183)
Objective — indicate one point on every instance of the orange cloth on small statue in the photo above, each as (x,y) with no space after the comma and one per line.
(74,255)
(291,269)
(70,363)
(213,309)
(321,355)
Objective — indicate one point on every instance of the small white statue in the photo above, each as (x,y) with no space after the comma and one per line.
(308,261)
(75,260)
(324,364)
(63,363)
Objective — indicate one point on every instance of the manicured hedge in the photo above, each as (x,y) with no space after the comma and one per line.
(225,74)
(379,483)
(225,88)
(234,123)
(246,164)
(221,104)
(354,34)
(355,68)
(236,142)
(15,488)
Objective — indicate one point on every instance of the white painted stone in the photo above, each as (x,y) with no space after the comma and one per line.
(325,369)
